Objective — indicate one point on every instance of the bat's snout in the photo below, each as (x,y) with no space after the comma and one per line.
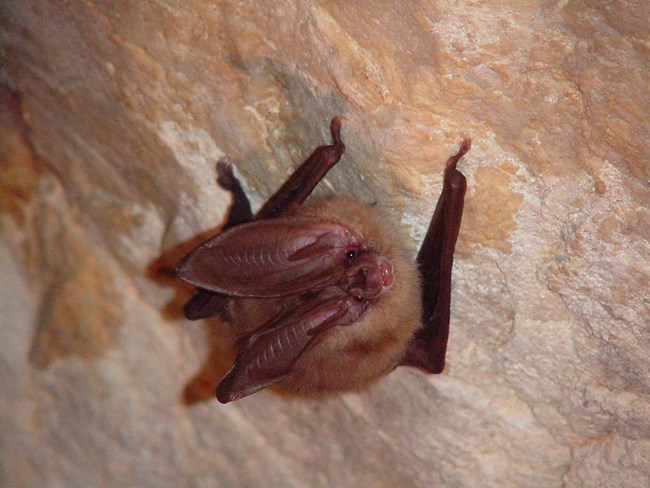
(371,276)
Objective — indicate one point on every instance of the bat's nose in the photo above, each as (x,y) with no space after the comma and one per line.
(372,276)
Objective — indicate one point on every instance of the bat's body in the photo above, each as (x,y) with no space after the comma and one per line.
(350,357)
(324,294)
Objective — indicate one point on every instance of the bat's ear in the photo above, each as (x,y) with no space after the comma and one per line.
(269,355)
(270,258)
(231,387)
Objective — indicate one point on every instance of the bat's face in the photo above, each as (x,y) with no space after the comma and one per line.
(369,276)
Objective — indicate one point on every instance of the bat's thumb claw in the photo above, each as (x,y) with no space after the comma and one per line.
(335,129)
(225,173)
(464,147)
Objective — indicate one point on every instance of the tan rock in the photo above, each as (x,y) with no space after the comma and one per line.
(130,104)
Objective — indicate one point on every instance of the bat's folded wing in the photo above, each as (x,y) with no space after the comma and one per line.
(270,258)
(269,355)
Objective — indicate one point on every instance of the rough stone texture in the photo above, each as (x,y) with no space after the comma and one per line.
(130,103)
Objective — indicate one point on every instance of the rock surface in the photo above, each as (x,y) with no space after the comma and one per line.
(128,106)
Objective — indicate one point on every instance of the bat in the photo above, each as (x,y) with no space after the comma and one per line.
(322,293)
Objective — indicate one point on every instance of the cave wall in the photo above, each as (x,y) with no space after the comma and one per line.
(108,172)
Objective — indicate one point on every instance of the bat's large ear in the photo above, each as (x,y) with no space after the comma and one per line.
(270,258)
(269,355)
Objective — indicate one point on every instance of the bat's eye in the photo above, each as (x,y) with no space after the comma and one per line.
(351,254)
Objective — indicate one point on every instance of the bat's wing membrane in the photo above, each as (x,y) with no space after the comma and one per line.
(302,182)
(427,349)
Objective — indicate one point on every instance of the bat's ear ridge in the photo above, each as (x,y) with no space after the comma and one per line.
(227,390)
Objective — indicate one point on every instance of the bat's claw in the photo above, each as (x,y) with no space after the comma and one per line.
(335,129)
(225,174)
(464,147)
